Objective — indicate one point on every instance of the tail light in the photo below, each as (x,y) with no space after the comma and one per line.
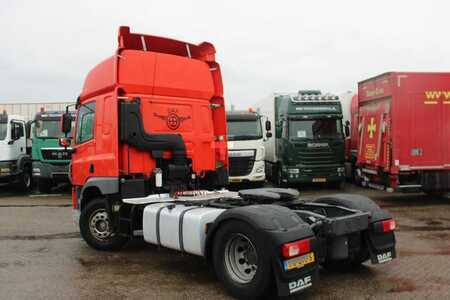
(296,248)
(385,226)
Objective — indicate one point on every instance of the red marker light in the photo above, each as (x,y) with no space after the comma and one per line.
(296,248)
(384,226)
(388,225)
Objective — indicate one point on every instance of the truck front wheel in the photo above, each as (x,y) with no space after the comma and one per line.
(240,261)
(24,179)
(97,229)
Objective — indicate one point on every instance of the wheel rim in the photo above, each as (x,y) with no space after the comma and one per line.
(240,258)
(99,225)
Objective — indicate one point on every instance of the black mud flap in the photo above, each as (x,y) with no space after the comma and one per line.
(296,282)
(381,247)
(299,273)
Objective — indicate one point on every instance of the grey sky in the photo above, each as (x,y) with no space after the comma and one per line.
(47,47)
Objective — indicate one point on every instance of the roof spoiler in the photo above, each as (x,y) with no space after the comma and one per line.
(135,41)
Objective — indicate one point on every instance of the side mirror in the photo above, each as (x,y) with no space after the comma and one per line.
(64,142)
(268,134)
(347,128)
(268,126)
(66,123)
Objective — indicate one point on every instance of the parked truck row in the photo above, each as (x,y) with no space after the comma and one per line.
(150,160)
(30,151)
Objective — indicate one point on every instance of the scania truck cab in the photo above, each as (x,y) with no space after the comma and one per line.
(50,160)
(15,161)
(150,159)
(246,147)
(309,142)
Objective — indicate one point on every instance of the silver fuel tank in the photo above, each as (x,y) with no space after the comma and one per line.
(177,226)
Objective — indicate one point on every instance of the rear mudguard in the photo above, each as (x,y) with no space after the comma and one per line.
(276,225)
(381,245)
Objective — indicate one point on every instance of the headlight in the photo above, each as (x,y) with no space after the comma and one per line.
(293,171)
(5,170)
(341,170)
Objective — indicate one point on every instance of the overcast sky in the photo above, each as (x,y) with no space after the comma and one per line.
(47,47)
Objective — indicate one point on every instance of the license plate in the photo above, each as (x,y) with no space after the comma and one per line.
(232,180)
(319,180)
(299,262)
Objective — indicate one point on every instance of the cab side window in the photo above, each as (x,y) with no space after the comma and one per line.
(17,130)
(85,123)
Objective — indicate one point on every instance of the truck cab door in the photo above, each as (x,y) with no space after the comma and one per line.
(18,138)
(83,165)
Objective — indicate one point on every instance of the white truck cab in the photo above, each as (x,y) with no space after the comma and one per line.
(15,161)
(246,146)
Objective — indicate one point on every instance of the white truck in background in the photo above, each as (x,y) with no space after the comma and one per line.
(246,153)
(15,160)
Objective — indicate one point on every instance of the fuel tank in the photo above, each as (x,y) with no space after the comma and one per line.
(178,226)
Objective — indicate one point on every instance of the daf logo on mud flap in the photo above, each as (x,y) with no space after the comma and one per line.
(302,283)
(384,257)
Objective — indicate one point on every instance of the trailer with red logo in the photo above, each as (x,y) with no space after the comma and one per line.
(402,135)
(150,161)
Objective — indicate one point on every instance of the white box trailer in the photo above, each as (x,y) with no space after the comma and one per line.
(29,109)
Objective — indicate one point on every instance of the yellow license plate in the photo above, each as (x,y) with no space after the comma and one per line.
(319,180)
(299,262)
(232,180)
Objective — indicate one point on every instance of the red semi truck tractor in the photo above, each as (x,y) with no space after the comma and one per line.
(150,160)
(401,139)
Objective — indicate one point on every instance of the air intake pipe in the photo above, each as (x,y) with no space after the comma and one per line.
(132,132)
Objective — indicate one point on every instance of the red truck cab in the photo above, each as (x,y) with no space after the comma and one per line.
(150,119)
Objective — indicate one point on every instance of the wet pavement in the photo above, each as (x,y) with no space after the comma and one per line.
(43,257)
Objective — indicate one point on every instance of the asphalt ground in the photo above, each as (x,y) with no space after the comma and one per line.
(43,257)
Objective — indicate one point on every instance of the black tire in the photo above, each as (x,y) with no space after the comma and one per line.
(24,180)
(257,283)
(356,178)
(44,185)
(96,228)
(279,178)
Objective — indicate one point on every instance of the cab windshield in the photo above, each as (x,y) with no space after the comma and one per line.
(315,129)
(244,130)
(48,129)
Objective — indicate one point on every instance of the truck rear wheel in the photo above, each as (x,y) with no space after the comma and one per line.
(240,261)
(96,227)
(44,185)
